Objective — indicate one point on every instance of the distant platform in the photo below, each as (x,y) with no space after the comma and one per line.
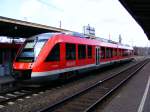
(6,79)
(6,83)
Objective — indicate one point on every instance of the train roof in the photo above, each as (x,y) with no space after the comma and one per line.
(43,36)
(104,42)
(80,39)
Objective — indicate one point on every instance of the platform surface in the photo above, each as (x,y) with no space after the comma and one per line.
(6,79)
(134,96)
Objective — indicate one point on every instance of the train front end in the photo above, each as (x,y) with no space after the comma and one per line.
(26,59)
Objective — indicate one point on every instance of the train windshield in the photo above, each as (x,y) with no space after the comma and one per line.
(32,48)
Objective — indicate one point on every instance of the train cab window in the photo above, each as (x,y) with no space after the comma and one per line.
(70,51)
(102,52)
(89,51)
(81,51)
(54,54)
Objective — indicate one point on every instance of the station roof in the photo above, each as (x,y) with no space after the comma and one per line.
(18,28)
(140,11)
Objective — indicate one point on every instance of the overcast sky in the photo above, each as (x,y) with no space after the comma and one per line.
(108,17)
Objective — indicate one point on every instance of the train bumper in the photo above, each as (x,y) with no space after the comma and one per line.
(40,80)
(22,74)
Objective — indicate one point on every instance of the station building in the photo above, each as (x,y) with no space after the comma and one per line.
(7,55)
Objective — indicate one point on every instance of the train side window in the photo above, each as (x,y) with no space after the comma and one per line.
(115,52)
(119,52)
(81,51)
(110,52)
(125,52)
(107,52)
(102,52)
(54,54)
(70,51)
(89,51)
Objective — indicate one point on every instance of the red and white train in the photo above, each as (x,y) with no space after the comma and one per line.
(50,56)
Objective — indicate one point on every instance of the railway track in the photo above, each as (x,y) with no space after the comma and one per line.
(22,92)
(11,96)
(88,98)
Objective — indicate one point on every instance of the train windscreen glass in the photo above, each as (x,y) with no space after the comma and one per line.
(31,50)
(38,47)
(29,45)
(27,53)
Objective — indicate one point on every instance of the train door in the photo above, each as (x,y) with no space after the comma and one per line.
(97,54)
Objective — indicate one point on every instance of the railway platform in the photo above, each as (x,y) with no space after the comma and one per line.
(6,83)
(134,96)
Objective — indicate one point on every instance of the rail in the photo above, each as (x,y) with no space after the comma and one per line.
(86,99)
